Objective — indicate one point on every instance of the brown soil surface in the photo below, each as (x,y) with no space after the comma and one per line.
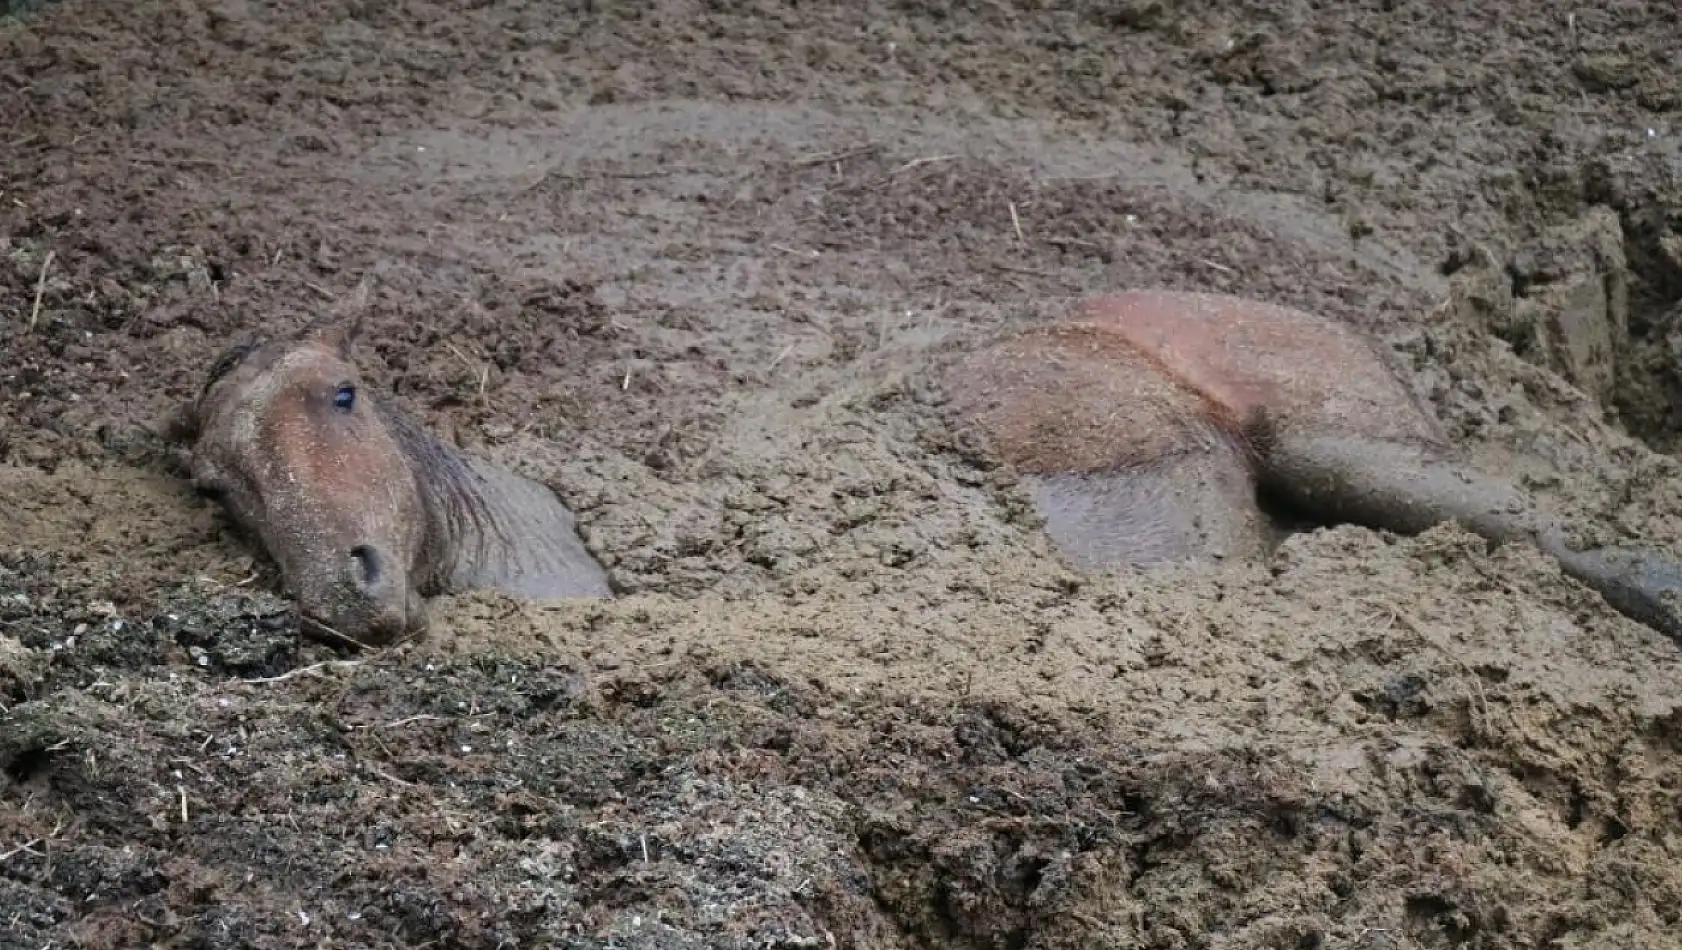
(686,261)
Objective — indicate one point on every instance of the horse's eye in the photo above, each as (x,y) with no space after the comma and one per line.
(345,398)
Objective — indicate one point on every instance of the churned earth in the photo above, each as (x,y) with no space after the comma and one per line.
(688,262)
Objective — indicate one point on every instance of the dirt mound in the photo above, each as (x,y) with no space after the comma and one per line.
(688,263)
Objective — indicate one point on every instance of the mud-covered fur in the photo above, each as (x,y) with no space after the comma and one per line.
(1146,424)
(365,512)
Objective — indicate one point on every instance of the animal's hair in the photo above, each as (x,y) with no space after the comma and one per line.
(1250,435)
(236,354)
(451,490)
(225,364)
(1045,399)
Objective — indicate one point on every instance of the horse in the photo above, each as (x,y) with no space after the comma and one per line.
(1151,427)
(365,512)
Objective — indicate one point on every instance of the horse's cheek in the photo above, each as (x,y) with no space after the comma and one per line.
(396,509)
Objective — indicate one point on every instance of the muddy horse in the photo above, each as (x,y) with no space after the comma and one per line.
(365,513)
(1150,426)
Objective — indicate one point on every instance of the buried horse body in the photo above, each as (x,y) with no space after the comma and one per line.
(1145,429)
(1147,426)
(365,512)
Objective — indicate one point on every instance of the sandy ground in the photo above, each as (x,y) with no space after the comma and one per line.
(690,264)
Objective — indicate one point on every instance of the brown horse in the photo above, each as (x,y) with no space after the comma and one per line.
(1148,425)
(364,511)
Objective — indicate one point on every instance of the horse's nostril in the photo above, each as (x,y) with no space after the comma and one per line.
(365,564)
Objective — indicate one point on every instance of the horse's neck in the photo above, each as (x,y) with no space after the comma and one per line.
(522,541)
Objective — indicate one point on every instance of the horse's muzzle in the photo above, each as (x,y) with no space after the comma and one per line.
(365,625)
(371,604)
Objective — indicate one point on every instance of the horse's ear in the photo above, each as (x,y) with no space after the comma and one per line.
(339,327)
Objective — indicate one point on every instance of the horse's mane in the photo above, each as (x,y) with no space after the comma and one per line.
(451,489)
(230,358)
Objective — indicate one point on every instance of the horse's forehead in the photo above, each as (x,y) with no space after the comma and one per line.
(256,392)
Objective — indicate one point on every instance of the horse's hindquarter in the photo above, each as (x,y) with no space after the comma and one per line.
(530,547)
(1059,400)
(1305,371)
(1127,465)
